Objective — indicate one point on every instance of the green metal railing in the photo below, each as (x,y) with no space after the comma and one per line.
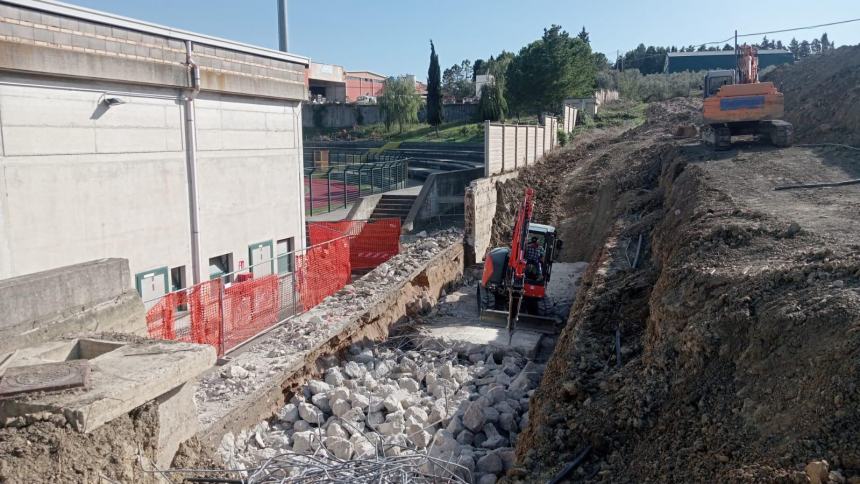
(349,177)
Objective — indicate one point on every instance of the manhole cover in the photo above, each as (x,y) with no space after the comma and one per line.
(43,378)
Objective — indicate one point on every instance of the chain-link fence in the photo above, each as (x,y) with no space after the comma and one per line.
(336,180)
(233,308)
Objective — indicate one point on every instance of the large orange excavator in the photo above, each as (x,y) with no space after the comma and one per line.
(737,103)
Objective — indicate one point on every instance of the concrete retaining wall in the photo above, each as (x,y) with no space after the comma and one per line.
(509,147)
(480,208)
(89,297)
(441,198)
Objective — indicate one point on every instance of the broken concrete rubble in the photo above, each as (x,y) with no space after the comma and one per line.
(447,404)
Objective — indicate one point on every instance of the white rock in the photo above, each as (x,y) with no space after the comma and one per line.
(311,414)
(342,393)
(360,400)
(438,413)
(390,428)
(392,404)
(365,356)
(322,402)
(383,368)
(409,384)
(487,479)
(394,445)
(354,370)
(305,441)
(362,449)
(416,414)
(417,435)
(455,426)
(317,386)
(289,413)
(235,372)
(334,377)
(340,407)
(334,429)
(340,447)
(496,394)
(354,414)
(494,438)
(301,426)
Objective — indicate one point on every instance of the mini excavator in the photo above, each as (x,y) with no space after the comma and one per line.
(516,277)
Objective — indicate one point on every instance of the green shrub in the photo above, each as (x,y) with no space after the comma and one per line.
(562,137)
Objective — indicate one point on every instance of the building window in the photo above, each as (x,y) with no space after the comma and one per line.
(177,278)
(221,265)
(286,255)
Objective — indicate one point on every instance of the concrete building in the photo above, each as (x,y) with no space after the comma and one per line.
(363,83)
(482,80)
(721,59)
(327,83)
(118,138)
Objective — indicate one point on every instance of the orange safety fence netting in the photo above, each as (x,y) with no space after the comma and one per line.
(322,271)
(192,315)
(371,242)
(250,307)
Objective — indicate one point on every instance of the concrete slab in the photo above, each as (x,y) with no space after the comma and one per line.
(123,377)
(45,377)
(468,336)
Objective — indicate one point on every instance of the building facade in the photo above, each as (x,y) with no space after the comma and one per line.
(179,152)
(721,59)
(363,83)
(326,83)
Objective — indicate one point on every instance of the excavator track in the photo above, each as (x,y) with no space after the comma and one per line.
(781,133)
(718,136)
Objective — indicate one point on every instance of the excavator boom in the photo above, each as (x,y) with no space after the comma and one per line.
(517,262)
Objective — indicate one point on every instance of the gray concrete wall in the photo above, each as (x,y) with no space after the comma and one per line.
(88,297)
(509,147)
(81,180)
(346,115)
(363,209)
(441,197)
(480,208)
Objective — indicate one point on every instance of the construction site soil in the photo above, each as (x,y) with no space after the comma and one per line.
(715,335)
(821,96)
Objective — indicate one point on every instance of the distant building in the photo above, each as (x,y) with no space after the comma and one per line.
(363,83)
(326,83)
(482,80)
(721,59)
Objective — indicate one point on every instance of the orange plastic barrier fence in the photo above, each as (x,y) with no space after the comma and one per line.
(250,307)
(371,243)
(322,271)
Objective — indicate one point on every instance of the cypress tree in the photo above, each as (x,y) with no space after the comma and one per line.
(434,91)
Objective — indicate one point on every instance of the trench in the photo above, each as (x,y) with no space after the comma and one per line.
(417,381)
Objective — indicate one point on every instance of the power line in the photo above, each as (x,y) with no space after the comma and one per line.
(840,22)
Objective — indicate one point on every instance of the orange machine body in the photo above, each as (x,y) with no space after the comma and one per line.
(744,102)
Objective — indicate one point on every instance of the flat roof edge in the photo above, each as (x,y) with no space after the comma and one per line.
(60,8)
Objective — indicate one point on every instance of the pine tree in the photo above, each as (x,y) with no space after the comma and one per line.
(583,35)
(764,43)
(815,45)
(805,49)
(794,48)
(434,90)
(825,42)
(779,45)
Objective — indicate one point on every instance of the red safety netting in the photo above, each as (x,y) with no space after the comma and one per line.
(250,307)
(322,271)
(371,242)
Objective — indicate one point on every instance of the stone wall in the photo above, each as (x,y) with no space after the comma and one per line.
(480,209)
(89,297)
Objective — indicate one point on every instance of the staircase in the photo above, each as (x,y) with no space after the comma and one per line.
(391,206)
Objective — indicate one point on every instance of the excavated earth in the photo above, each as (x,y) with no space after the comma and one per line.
(821,96)
(737,310)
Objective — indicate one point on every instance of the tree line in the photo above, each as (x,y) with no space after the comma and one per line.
(651,59)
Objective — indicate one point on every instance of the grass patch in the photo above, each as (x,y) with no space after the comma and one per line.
(620,113)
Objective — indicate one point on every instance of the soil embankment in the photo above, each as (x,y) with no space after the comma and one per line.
(736,315)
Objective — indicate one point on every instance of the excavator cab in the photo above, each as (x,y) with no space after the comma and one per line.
(714,80)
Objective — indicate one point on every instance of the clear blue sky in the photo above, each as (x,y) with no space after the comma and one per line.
(392,36)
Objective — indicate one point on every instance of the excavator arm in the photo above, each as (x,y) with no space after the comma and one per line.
(517,262)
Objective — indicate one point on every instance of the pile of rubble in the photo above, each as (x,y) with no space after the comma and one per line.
(263,359)
(461,412)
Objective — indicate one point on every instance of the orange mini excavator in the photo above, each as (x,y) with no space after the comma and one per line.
(736,103)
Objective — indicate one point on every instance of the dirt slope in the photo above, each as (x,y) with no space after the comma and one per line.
(738,322)
(821,96)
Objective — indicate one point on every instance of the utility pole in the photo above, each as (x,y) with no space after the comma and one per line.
(283,32)
(737,56)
